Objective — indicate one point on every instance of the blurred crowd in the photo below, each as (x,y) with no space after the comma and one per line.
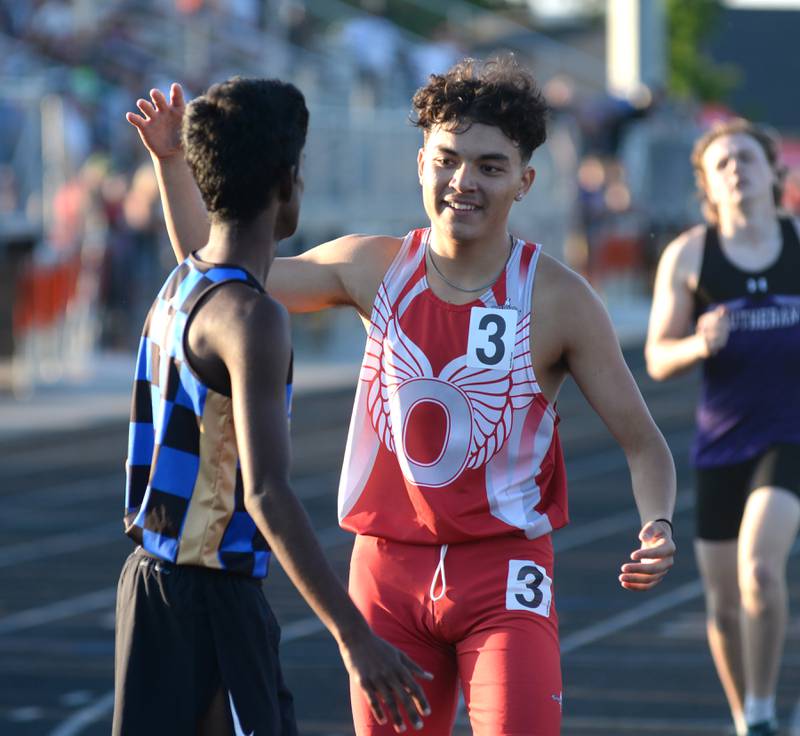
(92,60)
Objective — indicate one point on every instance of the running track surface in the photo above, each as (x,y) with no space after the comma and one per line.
(633,663)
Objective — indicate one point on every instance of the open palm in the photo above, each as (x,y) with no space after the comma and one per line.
(159,125)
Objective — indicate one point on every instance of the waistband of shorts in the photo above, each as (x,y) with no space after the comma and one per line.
(543,542)
(198,569)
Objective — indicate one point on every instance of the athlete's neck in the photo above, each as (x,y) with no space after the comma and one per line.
(754,223)
(469,263)
(251,246)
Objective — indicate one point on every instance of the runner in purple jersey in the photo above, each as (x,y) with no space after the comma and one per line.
(727,295)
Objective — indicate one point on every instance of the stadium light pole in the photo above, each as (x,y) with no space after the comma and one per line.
(635,47)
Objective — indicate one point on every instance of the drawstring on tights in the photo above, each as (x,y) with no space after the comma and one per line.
(439,572)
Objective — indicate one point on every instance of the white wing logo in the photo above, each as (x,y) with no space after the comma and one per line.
(477,404)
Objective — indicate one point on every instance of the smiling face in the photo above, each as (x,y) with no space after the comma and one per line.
(469,181)
(736,171)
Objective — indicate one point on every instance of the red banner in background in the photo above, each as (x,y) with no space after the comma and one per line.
(44,293)
(187,7)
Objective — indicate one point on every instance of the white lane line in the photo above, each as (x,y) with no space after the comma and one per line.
(571,537)
(587,466)
(652,607)
(95,600)
(85,716)
(101,707)
(568,538)
(75,698)
(26,714)
(632,616)
(333,535)
(68,608)
(59,544)
(65,494)
(640,726)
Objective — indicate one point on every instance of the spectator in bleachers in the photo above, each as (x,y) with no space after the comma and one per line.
(375,46)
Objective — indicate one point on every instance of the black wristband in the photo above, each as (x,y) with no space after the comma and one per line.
(669,524)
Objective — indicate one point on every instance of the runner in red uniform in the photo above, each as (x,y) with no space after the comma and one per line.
(451,431)
(454,476)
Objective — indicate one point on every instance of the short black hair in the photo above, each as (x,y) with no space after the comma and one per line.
(241,139)
(498,92)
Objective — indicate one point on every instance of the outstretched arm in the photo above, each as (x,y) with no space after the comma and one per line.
(342,272)
(250,335)
(594,359)
(159,127)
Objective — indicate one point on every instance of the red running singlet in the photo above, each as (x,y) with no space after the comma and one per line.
(451,440)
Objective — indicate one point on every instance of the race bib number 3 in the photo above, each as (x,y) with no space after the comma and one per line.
(528,588)
(492,334)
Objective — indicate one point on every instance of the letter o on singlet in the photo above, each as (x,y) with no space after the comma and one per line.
(450,459)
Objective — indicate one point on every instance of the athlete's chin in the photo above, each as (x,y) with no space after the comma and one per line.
(458,230)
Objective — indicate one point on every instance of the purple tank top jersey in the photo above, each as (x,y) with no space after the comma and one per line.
(750,395)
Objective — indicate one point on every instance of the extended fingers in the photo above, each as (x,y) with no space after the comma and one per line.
(414,668)
(374,701)
(136,120)
(176,95)
(397,691)
(400,688)
(384,697)
(410,703)
(146,108)
(159,101)
(412,687)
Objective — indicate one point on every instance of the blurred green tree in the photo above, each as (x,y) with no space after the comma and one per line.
(692,73)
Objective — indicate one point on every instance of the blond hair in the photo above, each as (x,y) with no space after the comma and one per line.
(768,141)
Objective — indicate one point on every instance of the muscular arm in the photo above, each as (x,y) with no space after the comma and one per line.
(593,357)
(342,272)
(671,346)
(248,334)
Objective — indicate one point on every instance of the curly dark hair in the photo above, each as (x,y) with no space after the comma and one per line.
(241,139)
(766,138)
(498,92)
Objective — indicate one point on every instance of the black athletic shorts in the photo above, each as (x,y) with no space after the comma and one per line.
(182,634)
(722,491)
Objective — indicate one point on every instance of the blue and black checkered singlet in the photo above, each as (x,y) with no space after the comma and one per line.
(184,499)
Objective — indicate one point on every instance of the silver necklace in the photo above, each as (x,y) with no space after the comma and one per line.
(444,278)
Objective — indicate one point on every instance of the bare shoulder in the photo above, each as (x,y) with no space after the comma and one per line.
(239,320)
(568,317)
(683,256)
(563,303)
(557,286)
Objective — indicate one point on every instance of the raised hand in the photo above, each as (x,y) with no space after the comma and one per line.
(159,125)
(652,560)
(387,677)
